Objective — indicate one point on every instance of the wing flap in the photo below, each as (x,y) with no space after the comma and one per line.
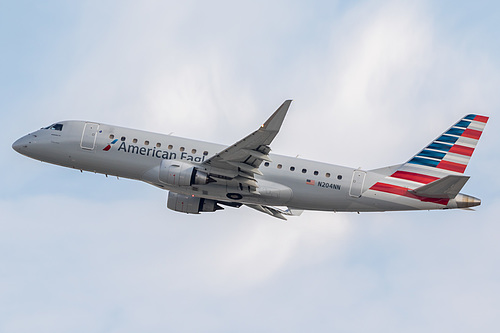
(257,154)
(274,212)
(246,167)
(246,181)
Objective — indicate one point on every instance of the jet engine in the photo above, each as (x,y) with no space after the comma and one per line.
(189,204)
(178,173)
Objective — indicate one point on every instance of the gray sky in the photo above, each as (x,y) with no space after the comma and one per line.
(372,82)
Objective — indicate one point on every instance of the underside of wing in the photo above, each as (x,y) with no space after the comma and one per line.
(275,212)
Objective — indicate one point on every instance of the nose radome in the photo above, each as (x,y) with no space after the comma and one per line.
(19,144)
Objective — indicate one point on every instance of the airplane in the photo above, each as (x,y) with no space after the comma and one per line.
(203,177)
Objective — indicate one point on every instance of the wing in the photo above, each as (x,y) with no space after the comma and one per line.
(241,160)
(276,212)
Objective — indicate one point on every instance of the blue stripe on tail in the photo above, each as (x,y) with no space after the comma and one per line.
(439,146)
(424,161)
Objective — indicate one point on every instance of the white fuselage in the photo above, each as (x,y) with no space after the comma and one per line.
(286,181)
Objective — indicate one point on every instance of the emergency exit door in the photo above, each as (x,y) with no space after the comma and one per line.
(89,136)
(357,182)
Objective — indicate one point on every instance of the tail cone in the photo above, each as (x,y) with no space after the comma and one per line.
(465,201)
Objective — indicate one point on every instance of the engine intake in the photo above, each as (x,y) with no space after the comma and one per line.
(191,205)
(178,173)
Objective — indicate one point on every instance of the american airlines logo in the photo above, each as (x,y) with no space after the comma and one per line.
(108,147)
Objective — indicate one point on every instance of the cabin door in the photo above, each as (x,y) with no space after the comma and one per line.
(357,182)
(89,136)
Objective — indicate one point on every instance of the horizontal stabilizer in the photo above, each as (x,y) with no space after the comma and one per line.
(446,187)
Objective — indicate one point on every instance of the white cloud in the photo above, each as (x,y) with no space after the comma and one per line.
(119,251)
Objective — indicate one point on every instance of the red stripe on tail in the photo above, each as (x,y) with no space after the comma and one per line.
(403,191)
(462,150)
(451,166)
(415,177)
(473,134)
(482,119)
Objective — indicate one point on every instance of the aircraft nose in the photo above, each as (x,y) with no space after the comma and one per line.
(20,144)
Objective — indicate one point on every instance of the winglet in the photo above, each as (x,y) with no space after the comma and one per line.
(274,122)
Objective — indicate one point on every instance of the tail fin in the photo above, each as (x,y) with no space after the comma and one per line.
(448,154)
(436,173)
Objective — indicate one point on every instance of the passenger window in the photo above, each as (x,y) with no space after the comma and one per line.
(339,177)
(111,136)
(158,145)
(292,168)
(304,170)
(170,147)
(193,151)
(316,173)
(123,138)
(182,149)
(134,141)
(205,153)
(266,164)
(279,166)
(146,143)
(327,175)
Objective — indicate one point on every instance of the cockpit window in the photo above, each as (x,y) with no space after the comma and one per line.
(55,127)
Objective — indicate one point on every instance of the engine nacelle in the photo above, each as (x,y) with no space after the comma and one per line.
(178,173)
(189,204)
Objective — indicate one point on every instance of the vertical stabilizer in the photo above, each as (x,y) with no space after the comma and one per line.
(453,149)
(447,156)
